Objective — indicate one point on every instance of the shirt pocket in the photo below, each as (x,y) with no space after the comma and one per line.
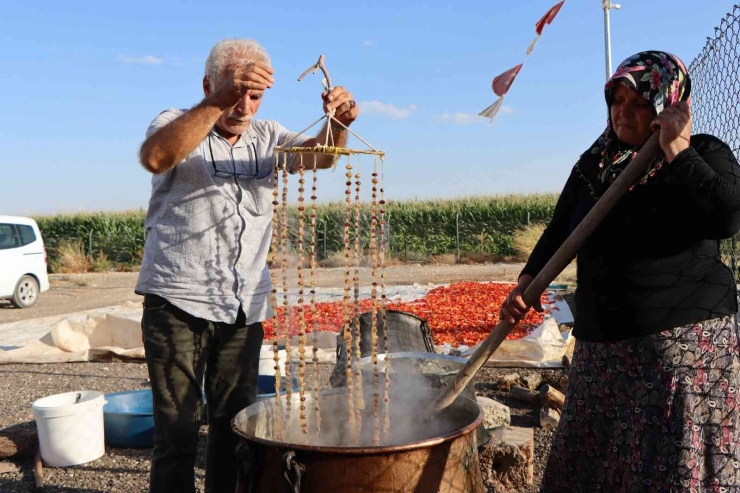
(259,202)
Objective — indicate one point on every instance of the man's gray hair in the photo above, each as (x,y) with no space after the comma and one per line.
(230,53)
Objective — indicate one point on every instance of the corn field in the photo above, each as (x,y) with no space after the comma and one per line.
(119,237)
(415,230)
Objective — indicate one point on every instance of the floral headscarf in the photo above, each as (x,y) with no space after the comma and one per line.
(663,80)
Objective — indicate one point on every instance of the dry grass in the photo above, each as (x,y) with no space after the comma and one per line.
(101,263)
(336,260)
(474,258)
(525,239)
(138,256)
(71,257)
(444,259)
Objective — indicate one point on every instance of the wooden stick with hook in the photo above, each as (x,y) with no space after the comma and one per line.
(634,171)
(329,116)
(318,66)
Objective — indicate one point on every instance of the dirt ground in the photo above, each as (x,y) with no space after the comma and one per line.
(78,292)
(126,470)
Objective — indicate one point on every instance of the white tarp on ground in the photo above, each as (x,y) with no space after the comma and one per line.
(544,347)
(85,336)
(115,332)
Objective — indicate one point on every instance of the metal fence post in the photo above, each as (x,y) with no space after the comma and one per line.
(387,235)
(457,236)
(325,239)
(89,243)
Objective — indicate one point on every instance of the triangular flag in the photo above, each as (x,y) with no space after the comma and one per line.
(492,110)
(548,17)
(534,43)
(502,83)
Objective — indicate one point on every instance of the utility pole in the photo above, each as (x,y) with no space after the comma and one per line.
(607,5)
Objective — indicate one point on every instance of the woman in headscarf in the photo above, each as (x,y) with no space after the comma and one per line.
(652,401)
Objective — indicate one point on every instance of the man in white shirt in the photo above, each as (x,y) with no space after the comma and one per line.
(204,276)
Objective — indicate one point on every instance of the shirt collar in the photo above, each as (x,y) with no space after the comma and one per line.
(244,139)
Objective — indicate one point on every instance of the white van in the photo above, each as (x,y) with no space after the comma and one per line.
(23,262)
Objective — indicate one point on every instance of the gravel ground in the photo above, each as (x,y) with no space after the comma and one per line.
(523,414)
(119,470)
(126,470)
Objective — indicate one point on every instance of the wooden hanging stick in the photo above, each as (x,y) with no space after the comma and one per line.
(318,66)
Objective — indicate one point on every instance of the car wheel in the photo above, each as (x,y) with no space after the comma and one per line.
(26,293)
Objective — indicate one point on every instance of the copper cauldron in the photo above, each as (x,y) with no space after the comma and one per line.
(441,457)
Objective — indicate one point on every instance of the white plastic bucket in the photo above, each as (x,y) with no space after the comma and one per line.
(70,429)
(267,361)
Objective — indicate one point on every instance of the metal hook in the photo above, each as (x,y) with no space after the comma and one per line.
(319,66)
(293,471)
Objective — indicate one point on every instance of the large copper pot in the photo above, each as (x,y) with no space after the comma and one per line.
(441,458)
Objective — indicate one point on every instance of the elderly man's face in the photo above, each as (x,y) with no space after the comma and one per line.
(238,118)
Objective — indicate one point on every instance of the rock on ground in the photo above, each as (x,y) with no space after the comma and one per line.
(549,418)
(531,380)
(507,461)
(495,414)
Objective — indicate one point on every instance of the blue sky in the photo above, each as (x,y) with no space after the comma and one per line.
(83,79)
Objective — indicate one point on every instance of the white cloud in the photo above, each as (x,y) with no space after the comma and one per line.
(368,43)
(147,60)
(462,118)
(471,118)
(387,109)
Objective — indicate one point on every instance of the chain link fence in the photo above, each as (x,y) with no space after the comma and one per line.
(118,243)
(715,78)
(454,240)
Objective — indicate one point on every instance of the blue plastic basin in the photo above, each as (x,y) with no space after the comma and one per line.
(128,419)
(266,386)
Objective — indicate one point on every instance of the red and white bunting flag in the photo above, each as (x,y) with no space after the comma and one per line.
(548,17)
(502,83)
(492,110)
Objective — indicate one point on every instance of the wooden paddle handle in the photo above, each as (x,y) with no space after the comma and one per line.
(634,171)
(38,470)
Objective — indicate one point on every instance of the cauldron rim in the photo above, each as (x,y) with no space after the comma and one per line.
(367,360)
(258,407)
